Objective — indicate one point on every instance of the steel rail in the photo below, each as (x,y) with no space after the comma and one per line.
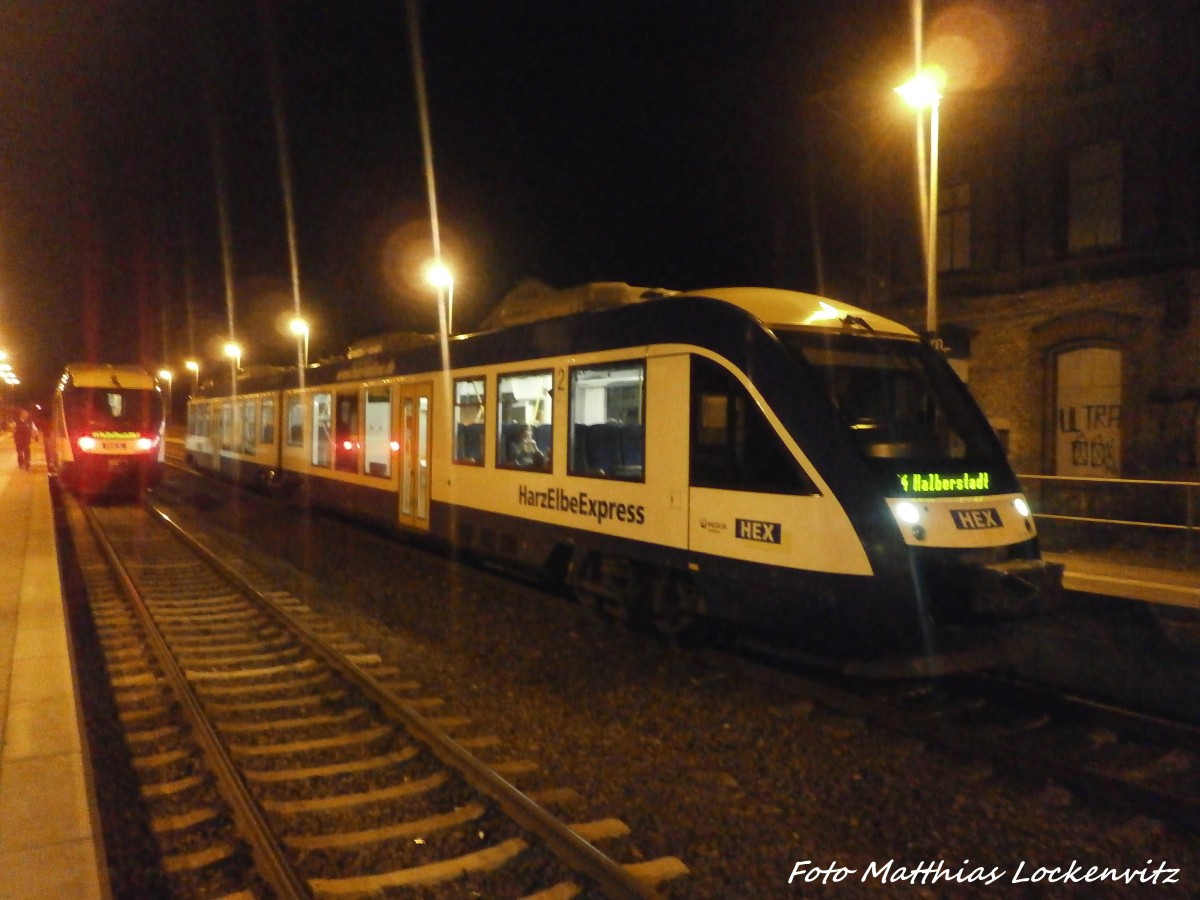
(269,855)
(579,854)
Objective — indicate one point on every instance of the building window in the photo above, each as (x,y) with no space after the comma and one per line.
(1095,70)
(608,421)
(524,438)
(1095,198)
(954,228)
(469,394)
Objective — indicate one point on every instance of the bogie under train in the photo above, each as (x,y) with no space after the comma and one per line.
(107,430)
(808,471)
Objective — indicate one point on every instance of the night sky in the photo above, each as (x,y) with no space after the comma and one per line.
(654,142)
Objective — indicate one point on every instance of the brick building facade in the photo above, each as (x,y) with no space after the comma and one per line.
(1069,230)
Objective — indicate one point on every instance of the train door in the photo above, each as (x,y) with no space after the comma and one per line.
(414,454)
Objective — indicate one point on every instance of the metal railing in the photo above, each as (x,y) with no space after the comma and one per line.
(1140,516)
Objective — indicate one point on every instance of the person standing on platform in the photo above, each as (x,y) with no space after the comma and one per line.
(24,434)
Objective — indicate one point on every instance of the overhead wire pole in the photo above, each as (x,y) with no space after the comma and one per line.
(218,163)
(285,177)
(926,185)
(418,63)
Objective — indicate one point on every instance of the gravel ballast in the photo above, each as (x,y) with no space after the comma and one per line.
(754,788)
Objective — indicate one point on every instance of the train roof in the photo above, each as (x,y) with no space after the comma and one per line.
(107,375)
(587,318)
(776,307)
(533,301)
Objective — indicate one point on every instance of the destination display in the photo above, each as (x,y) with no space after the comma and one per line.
(935,483)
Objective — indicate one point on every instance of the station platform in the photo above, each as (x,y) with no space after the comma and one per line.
(1094,575)
(49,843)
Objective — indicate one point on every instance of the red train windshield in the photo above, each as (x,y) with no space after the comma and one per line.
(118,410)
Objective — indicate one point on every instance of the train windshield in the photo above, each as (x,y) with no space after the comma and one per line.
(114,409)
(898,399)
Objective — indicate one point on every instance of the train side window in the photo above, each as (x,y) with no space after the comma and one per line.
(377,446)
(469,404)
(249,435)
(607,438)
(226,426)
(348,443)
(322,451)
(525,417)
(734,447)
(295,420)
(267,421)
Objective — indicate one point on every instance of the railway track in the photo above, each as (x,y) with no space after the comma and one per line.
(277,758)
(1142,765)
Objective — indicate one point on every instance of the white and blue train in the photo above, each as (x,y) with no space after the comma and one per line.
(804,470)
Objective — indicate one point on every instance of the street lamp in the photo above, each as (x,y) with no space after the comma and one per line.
(439,275)
(234,351)
(169,377)
(925,90)
(299,327)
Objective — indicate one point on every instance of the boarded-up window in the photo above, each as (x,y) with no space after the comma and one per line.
(1089,413)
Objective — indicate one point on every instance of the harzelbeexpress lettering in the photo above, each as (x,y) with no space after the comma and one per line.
(582,504)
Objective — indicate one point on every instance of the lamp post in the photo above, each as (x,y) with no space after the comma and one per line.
(439,275)
(169,377)
(194,367)
(921,91)
(299,327)
(233,350)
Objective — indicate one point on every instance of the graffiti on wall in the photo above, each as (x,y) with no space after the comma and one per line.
(1089,413)
(1093,434)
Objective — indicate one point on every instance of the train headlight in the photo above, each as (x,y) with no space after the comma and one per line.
(145,443)
(907,513)
(1021,507)
(87,443)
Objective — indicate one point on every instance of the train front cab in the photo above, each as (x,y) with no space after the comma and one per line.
(755,502)
(107,430)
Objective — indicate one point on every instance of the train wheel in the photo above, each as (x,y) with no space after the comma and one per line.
(674,607)
(590,589)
